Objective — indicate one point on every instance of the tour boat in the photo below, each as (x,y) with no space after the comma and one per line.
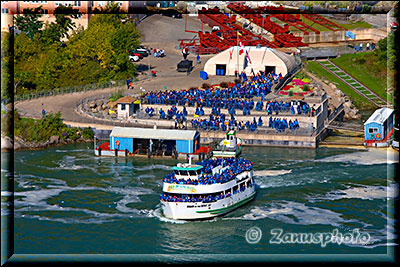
(231,146)
(207,189)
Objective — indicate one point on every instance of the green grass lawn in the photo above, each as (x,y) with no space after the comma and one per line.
(353,25)
(370,78)
(359,101)
(313,24)
(348,26)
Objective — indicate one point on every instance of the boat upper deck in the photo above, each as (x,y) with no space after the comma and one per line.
(208,172)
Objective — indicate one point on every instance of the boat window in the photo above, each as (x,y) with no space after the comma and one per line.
(176,172)
(192,173)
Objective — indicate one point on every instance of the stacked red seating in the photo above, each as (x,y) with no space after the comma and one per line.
(227,34)
(281,34)
(289,40)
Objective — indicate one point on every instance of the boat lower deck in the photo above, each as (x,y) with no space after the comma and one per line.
(201,210)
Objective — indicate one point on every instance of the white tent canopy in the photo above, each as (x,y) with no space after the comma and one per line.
(262,58)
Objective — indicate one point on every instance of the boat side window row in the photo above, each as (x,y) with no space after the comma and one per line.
(187,173)
(207,198)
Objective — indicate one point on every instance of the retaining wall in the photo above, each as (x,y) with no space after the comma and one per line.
(371,34)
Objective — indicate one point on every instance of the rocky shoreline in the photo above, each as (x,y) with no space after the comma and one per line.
(8,144)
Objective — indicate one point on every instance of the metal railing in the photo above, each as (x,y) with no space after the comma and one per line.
(69,90)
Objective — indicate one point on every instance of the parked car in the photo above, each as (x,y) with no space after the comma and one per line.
(142,52)
(142,48)
(136,54)
(134,58)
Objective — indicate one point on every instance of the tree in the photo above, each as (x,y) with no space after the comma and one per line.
(6,66)
(29,22)
(59,29)
(96,54)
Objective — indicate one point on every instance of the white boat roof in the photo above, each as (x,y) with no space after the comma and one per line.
(379,116)
(149,133)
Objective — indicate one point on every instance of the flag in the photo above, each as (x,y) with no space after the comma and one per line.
(241,50)
(245,63)
(248,57)
(230,54)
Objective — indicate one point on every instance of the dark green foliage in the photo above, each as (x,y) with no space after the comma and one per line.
(305,87)
(29,22)
(87,133)
(50,125)
(95,55)
(7,127)
(7,87)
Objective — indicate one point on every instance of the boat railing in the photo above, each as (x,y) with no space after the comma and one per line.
(225,148)
(223,182)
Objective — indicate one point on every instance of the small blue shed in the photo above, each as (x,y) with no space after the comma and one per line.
(379,127)
(185,141)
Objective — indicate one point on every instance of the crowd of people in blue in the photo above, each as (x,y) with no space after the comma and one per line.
(259,85)
(232,98)
(218,121)
(234,167)
(270,106)
(281,125)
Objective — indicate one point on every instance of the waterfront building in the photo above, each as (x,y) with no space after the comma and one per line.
(379,127)
(127,106)
(185,141)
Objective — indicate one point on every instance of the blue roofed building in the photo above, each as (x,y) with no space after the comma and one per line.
(128,138)
(379,127)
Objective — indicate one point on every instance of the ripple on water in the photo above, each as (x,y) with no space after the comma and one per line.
(295,213)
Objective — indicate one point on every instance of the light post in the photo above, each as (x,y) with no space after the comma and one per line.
(262,30)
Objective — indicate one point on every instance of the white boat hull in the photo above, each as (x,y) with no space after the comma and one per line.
(200,210)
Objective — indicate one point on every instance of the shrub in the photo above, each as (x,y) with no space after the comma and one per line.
(290,93)
(87,133)
(305,87)
(117,95)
